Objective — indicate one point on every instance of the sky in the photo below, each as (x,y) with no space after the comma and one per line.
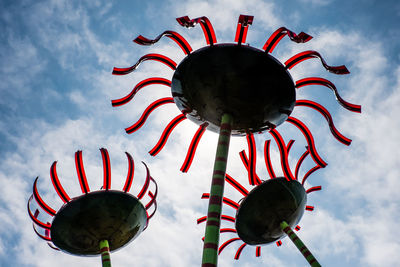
(56,59)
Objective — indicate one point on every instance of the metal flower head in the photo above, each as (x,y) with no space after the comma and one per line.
(248,83)
(95,222)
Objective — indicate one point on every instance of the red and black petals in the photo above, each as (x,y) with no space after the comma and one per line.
(224,245)
(106,169)
(34,216)
(166,133)
(310,141)
(236,185)
(300,161)
(239,251)
(57,185)
(246,164)
(313,189)
(330,85)
(146,183)
(205,24)
(267,158)
(131,172)
(277,36)
(44,237)
(140,85)
(296,59)
(157,57)
(283,152)
(147,112)
(242,28)
(176,37)
(311,171)
(324,112)
(40,201)
(81,172)
(193,146)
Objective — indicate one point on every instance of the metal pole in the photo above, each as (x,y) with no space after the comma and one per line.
(211,238)
(300,245)
(105,253)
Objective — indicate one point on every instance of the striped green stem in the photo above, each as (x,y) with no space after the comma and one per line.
(105,253)
(211,237)
(300,245)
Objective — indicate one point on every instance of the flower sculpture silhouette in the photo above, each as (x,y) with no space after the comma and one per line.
(95,222)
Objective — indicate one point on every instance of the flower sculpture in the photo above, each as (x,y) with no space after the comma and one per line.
(273,207)
(95,222)
(233,89)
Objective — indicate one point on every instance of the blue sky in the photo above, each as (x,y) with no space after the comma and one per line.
(56,59)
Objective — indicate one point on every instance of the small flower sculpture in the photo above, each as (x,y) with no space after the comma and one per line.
(95,222)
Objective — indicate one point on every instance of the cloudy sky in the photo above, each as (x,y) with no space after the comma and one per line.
(56,59)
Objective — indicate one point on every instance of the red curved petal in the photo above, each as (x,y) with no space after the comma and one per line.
(312,189)
(324,112)
(40,201)
(205,24)
(236,185)
(267,158)
(176,37)
(157,57)
(276,37)
(310,141)
(330,85)
(193,146)
(239,251)
(246,164)
(34,216)
(166,133)
(284,156)
(296,59)
(242,28)
(146,183)
(147,112)
(140,85)
(81,172)
(106,169)
(309,173)
(221,248)
(300,161)
(131,172)
(57,185)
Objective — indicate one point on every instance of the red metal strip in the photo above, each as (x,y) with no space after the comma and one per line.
(205,24)
(312,189)
(221,248)
(279,243)
(166,133)
(152,196)
(276,37)
(140,85)
(227,230)
(296,59)
(252,158)
(267,159)
(34,218)
(289,145)
(131,172)
(330,85)
(176,37)
(157,57)
(155,206)
(309,173)
(258,251)
(57,185)
(41,236)
(40,201)
(146,113)
(236,185)
(297,228)
(243,25)
(310,141)
(106,169)
(300,161)
(310,208)
(324,112)
(193,146)
(146,183)
(283,152)
(81,172)
(239,251)
(245,162)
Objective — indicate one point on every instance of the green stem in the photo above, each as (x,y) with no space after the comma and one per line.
(105,253)
(300,245)
(211,238)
